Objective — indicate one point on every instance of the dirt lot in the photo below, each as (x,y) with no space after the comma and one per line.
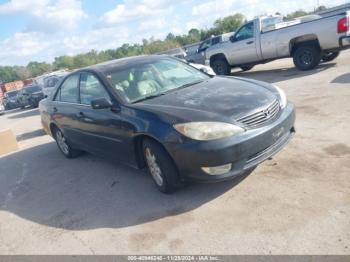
(297,203)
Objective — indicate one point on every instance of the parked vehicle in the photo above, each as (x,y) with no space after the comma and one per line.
(175,52)
(179,53)
(198,57)
(10,100)
(307,42)
(159,112)
(30,96)
(50,82)
(2,108)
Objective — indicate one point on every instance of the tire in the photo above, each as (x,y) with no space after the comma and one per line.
(221,67)
(246,68)
(64,145)
(329,56)
(160,166)
(306,57)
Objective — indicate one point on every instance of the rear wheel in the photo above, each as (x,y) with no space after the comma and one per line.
(307,57)
(329,56)
(221,66)
(64,145)
(160,166)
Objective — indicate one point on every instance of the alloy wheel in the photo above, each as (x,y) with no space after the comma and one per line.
(62,143)
(153,166)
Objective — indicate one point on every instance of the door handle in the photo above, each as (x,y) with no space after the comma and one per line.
(250,42)
(82,117)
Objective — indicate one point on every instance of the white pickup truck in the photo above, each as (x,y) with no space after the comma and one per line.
(308,40)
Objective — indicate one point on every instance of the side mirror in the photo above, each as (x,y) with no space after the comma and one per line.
(101,103)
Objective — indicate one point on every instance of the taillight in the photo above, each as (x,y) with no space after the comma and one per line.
(343,25)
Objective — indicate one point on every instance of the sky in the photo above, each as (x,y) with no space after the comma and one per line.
(40,30)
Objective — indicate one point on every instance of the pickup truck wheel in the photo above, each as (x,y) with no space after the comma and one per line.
(246,68)
(329,56)
(306,57)
(160,166)
(221,67)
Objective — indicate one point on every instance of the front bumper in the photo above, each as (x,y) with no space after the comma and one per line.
(243,151)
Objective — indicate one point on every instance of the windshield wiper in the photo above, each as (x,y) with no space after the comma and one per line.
(148,97)
(189,84)
(168,91)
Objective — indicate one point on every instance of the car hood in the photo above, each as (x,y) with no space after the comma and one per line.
(219,98)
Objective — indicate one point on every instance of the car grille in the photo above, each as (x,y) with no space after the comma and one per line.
(262,116)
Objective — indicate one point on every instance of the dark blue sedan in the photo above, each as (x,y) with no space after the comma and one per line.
(159,112)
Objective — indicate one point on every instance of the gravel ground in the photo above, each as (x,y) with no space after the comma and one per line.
(296,203)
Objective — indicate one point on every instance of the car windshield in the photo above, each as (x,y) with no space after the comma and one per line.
(32,89)
(151,79)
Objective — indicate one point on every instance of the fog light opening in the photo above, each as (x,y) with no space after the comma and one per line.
(217,170)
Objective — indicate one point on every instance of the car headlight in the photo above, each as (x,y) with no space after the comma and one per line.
(205,131)
(283,101)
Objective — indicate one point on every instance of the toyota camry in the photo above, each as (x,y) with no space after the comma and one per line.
(161,113)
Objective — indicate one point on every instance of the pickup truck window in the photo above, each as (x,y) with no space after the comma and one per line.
(246,32)
(205,45)
(215,40)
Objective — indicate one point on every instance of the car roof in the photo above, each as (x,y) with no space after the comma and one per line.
(123,62)
(31,86)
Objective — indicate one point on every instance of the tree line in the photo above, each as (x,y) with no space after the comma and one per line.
(148,46)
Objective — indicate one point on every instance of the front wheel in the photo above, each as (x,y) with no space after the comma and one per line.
(160,166)
(306,57)
(64,145)
(329,56)
(221,66)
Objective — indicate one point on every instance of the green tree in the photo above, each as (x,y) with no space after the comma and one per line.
(229,23)
(63,62)
(296,14)
(37,68)
(320,8)
(22,72)
(7,74)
